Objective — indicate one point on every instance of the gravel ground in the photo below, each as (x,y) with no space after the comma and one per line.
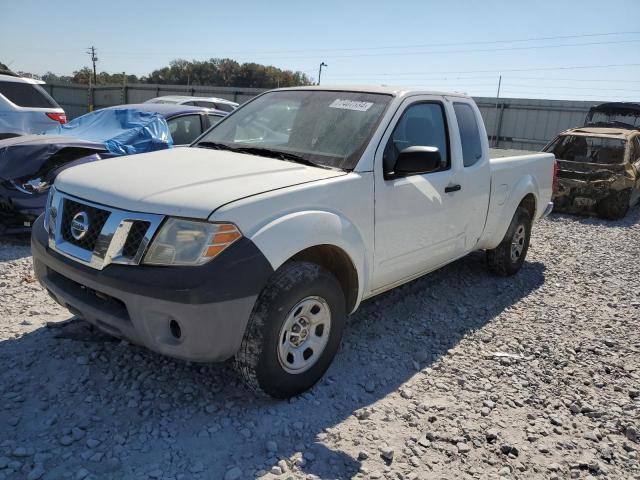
(455,375)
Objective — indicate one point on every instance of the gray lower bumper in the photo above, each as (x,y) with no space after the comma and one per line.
(206,330)
(547,210)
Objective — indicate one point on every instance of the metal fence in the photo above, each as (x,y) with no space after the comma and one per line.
(529,124)
(516,122)
(77,99)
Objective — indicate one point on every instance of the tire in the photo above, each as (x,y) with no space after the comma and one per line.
(268,358)
(615,206)
(500,260)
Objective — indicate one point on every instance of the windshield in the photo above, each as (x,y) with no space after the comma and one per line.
(576,148)
(615,116)
(321,127)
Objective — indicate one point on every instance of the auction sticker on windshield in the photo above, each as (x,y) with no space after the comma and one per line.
(351,105)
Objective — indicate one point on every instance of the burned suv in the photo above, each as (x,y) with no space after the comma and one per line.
(599,164)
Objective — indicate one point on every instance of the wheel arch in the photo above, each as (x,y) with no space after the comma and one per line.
(322,237)
(338,262)
(523,194)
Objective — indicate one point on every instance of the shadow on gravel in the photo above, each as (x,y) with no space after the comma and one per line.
(14,248)
(631,219)
(121,411)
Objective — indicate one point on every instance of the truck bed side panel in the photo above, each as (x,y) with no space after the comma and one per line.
(512,179)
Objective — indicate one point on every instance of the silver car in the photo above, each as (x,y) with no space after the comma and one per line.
(25,107)
(207,102)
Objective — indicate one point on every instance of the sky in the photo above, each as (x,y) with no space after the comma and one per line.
(562,49)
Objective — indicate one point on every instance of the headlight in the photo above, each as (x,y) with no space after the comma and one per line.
(188,242)
(47,208)
(35,185)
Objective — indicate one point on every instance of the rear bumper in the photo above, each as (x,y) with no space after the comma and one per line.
(580,196)
(547,210)
(210,304)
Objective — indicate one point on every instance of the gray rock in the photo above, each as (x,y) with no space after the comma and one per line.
(272,446)
(387,453)
(233,474)
(406,393)
(463,447)
(82,473)
(37,472)
(92,442)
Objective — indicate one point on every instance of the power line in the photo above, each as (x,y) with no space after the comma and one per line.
(564,87)
(387,47)
(611,80)
(404,53)
(536,69)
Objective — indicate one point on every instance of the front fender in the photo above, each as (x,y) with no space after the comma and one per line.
(501,213)
(282,238)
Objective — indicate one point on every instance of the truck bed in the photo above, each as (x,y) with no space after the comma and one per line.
(508,152)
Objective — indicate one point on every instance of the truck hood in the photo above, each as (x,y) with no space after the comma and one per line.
(185,182)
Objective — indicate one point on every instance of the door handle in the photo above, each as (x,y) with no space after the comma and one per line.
(452,188)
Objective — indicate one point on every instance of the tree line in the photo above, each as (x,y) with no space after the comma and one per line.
(219,72)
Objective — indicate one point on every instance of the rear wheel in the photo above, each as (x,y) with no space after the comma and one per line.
(294,331)
(615,206)
(507,258)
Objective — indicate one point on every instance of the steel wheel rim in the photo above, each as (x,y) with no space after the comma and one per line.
(517,244)
(304,335)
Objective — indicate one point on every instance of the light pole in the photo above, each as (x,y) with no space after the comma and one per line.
(320,72)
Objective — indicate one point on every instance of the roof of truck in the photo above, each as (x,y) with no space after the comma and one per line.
(396,91)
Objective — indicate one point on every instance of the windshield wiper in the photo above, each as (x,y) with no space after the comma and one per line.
(290,157)
(215,146)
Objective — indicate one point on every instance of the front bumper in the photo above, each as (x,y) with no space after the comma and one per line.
(211,304)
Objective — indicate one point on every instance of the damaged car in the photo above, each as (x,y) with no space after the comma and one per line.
(614,114)
(29,164)
(599,164)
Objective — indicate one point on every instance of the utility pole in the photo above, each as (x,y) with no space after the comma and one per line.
(495,120)
(94,59)
(320,72)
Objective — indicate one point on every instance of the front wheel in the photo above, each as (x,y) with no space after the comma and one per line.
(294,331)
(507,258)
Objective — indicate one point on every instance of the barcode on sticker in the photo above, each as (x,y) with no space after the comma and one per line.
(351,105)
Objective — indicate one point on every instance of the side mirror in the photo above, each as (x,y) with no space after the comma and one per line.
(417,160)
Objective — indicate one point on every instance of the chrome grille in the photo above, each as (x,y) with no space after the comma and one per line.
(134,239)
(112,236)
(97,219)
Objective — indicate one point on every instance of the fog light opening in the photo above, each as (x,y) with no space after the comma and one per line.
(176,331)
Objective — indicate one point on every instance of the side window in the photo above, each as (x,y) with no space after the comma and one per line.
(27,95)
(422,124)
(469,133)
(201,103)
(225,107)
(191,104)
(184,129)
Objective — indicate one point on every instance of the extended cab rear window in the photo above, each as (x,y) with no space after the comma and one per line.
(27,95)
(577,148)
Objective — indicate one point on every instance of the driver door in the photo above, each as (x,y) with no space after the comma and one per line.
(417,226)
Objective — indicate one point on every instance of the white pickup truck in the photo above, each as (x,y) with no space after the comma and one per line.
(258,240)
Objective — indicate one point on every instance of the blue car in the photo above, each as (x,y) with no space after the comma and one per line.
(29,164)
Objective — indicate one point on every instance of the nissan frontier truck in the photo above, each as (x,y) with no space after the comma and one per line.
(256,242)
